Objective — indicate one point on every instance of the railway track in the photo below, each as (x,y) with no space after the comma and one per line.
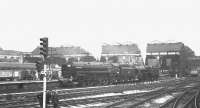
(188,99)
(74,97)
(139,101)
(69,94)
(113,99)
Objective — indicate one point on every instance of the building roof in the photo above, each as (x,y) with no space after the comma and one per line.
(92,65)
(62,51)
(12,65)
(10,52)
(164,47)
(120,49)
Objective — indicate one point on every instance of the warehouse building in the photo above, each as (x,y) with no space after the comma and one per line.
(171,58)
(194,65)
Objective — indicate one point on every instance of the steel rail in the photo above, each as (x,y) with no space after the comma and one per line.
(197,99)
(102,99)
(175,102)
(189,95)
(193,102)
(159,94)
(154,96)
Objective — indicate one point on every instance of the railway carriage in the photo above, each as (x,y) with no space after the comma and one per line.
(6,75)
(17,71)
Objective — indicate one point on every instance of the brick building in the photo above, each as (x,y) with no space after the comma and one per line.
(122,53)
(170,57)
(72,52)
(194,63)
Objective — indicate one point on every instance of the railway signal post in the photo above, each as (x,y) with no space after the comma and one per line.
(44,53)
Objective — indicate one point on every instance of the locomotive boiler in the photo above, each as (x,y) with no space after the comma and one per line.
(98,73)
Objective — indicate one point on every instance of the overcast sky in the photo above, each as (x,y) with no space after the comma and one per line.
(89,23)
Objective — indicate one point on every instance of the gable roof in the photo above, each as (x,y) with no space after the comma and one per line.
(62,51)
(120,49)
(164,47)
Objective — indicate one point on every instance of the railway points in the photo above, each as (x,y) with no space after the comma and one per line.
(146,100)
(187,99)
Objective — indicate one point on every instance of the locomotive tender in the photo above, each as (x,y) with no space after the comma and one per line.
(98,73)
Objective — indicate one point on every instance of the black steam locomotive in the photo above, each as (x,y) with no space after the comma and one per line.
(97,73)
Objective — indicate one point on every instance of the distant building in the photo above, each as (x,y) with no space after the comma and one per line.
(10,55)
(194,63)
(68,53)
(168,56)
(122,53)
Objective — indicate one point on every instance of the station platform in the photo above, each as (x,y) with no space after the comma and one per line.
(24,82)
(26,86)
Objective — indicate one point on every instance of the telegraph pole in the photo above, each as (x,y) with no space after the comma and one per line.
(44,53)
